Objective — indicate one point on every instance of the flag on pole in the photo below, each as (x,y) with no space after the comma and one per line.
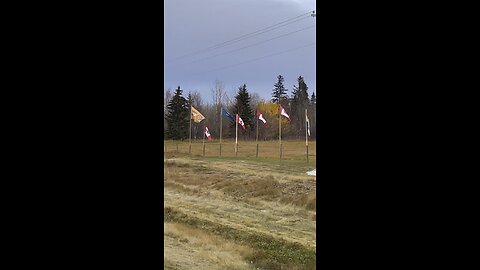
(208,133)
(308,124)
(260,116)
(284,113)
(226,114)
(197,116)
(240,121)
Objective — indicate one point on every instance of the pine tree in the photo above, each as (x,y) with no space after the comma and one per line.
(312,115)
(279,93)
(242,107)
(299,103)
(178,111)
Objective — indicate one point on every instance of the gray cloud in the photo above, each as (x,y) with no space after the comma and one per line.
(194,25)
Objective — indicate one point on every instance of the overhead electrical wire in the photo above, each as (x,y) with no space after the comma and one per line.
(251,45)
(233,41)
(255,59)
(224,44)
(246,36)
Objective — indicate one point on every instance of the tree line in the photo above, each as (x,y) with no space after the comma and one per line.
(177,111)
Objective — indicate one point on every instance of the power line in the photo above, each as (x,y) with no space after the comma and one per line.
(256,59)
(255,44)
(256,34)
(245,36)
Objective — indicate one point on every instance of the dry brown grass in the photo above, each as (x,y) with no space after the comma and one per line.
(291,149)
(269,252)
(265,207)
(207,247)
(194,176)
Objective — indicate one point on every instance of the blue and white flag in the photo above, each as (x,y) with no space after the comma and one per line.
(226,114)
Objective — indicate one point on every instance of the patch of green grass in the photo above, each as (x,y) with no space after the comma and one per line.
(269,252)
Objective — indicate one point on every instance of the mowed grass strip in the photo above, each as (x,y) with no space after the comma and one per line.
(252,164)
(268,252)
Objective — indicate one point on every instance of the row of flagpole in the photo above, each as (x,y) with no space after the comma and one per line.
(198,117)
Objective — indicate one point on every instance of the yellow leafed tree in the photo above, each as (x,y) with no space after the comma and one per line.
(270,113)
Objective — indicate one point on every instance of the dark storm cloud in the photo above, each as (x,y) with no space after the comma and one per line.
(191,26)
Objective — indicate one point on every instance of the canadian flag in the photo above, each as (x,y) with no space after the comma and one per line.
(284,113)
(240,121)
(260,116)
(308,124)
(208,133)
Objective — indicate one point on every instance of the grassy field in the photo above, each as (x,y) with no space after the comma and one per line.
(239,213)
(291,150)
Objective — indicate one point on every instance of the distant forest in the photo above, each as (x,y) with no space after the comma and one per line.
(246,104)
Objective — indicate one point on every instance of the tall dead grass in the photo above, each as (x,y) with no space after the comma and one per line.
(226,254)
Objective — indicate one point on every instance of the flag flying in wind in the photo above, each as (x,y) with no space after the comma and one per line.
(226,114)
(308,124)
(197,116)
(240,121)
(260,116)
(284,113)
(208,133)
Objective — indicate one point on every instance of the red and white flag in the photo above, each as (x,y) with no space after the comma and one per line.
(308,123)
(240,121)
(284,113)
(260,116)
(208,133)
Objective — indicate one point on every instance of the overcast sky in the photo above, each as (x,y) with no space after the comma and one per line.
(195,25)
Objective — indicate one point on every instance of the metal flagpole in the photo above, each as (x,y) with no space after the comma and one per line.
(256,113)
(280,127)
(190,145)
(204,140)
(221,130)
(236,134)
(306,132)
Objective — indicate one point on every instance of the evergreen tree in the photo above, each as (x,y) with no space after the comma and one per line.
(301,92)
(178,111)
(242,107)
(279,93)
(299,103)
(312,115)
